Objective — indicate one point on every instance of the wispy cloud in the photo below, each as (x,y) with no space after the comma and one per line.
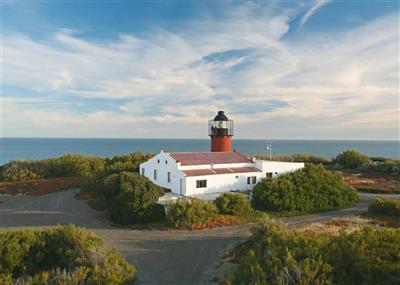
(314,8)
(169,83)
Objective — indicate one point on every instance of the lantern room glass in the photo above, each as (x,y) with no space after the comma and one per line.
(220,128)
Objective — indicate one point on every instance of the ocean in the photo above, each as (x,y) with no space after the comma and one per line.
(39,148)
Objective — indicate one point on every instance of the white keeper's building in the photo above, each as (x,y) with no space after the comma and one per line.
(221,170)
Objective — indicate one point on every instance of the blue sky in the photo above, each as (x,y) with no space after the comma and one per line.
(290,69)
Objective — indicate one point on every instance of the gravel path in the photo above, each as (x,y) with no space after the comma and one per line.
(162,257)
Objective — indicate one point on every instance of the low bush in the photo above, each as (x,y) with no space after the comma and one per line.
(306,190)
(70,165)
(60,255)
(233,204)
(186,213)
(385,206)
(135,200)
(387,166)
(351,159)
(300,157)
(128,162)
(277,255)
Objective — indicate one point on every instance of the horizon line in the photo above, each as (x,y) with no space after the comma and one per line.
(189,138)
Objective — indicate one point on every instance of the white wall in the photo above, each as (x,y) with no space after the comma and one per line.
(162,170)
(215,183)
(221,183)
(278,167)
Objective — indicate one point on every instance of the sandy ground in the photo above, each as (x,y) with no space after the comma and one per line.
(162,257)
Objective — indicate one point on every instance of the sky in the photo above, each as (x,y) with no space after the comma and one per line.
(161,69)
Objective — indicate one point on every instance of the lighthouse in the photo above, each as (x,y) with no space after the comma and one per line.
(221,131)
(211,172)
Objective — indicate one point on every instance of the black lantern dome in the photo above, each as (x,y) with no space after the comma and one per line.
(221,116)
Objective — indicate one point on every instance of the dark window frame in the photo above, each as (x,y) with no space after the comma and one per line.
(202,183)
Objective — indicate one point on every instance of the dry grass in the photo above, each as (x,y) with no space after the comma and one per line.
(383,220)
(336,226)
(373,182)
(219,221)
(39,187)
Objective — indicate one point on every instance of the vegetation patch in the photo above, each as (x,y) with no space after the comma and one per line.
(60,255)
(298,157)
(351,159)
(277,255)
(39,187)
(129,197)
(368,182)
(233,204)
(219,221)
(70,165)
(383,220)
(307,190)
(185,213)
(229,209)
(386,207)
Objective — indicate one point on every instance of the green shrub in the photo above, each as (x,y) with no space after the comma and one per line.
(298,157)
(384,165)
(277,255)
(184,213)
(70,165)
(128,163)
(351,159)
(110,268)
(99,203)
(136,199)
(366,256)
(60,255)
(306,190)
(130,197)
(19,170)
(233,204)
(153,213)
(385,206)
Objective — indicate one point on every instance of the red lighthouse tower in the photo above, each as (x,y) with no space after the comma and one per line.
(221,131)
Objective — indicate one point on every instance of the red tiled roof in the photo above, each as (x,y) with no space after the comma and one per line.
(198,158)
(214,171)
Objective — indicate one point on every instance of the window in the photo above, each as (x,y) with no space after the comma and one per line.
(201,183)
(251,180)
(143,171)
(268,174)
(155,174)
(158,161)
(169,177)
(166,162)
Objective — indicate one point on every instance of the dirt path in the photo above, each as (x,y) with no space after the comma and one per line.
(162,257)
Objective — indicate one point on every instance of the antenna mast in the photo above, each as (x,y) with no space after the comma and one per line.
(269,148)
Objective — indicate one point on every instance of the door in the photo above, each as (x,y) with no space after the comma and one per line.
(180,186)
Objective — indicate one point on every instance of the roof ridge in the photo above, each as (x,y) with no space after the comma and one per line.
(242,154)
(203,152)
